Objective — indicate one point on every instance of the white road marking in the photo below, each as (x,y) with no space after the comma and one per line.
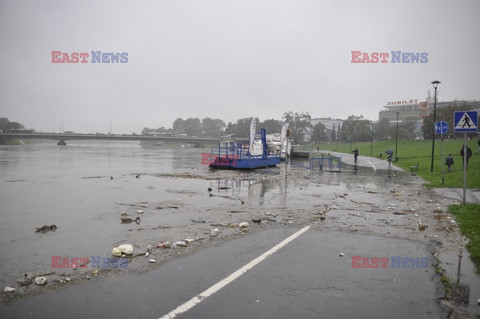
(225,281)
(374,168)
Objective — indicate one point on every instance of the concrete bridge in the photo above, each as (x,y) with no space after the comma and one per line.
(63,137)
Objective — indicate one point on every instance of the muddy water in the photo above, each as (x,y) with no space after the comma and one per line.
(84,188)
(72,187)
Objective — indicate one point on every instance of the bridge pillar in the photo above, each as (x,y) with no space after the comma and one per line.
(62,143)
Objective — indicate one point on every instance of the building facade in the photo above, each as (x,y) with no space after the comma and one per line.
(418,109)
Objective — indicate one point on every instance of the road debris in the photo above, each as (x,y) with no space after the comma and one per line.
(129,220)
(179,243)
(25,281)
(257,220)
(243,225)
(126,249)
(166,207)
(41,280)
(227,197)
(116,252)
(421,226)
(45,228)
(9,289)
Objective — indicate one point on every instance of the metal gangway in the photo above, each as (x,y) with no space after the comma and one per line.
(333,163)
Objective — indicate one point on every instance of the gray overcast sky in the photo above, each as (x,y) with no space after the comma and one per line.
(227,59)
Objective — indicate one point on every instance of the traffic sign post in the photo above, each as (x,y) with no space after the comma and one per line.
(441,127)
(466,122)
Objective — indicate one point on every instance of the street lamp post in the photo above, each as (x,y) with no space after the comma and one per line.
(435,84)
(396,140)
(371,143)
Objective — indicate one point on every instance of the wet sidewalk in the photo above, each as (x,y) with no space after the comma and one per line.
(472,195)
(363,161)
(307,278)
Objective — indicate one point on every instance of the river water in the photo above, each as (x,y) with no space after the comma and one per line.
(84,187)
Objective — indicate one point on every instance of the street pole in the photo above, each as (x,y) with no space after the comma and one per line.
(464,168)
(371,143)
(435,84)
(443,168)
(396,141)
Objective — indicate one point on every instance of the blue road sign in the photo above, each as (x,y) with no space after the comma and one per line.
(466,121)
(441,127)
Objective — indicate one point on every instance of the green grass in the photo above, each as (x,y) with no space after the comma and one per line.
(8,141)
(468,217)
(412,152)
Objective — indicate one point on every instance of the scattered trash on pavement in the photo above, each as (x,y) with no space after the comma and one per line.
(116,252)
(40,281)
(45,228)
(421,226)
(25,281)
(129,220)
(165,244)
(179,243)
(126,249)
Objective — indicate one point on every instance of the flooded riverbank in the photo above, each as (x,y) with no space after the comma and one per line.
(85,189)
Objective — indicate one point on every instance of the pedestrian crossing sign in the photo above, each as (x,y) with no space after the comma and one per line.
(466,121)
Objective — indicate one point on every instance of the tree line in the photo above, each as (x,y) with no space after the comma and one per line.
(354,129)
(299,123)
(6,125)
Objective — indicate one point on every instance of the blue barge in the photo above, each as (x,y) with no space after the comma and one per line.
(230,155)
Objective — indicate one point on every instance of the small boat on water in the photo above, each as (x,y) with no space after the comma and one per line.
(237,155)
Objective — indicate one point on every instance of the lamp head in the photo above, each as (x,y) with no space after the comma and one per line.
(435,84)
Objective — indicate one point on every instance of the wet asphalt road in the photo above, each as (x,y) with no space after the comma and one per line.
(305,279)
